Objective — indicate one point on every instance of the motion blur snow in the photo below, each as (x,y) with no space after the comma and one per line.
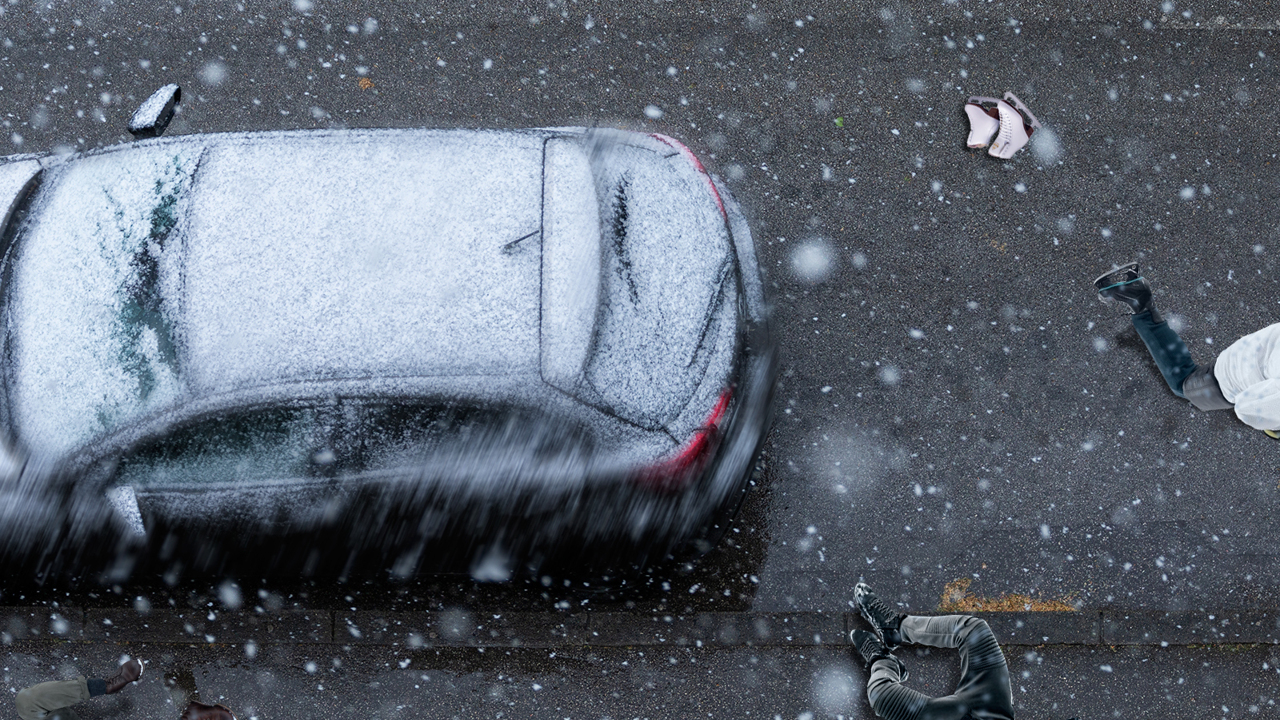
(836,688)
(213,73)
(812,260)
(1046,145)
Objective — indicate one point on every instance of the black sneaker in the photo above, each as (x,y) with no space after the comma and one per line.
(870,649)
(1127,286)
(883,618)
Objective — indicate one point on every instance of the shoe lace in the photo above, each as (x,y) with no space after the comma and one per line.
(871,648)
(883,614)
(1006,127)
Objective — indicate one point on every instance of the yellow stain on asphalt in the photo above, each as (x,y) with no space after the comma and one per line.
(956,598)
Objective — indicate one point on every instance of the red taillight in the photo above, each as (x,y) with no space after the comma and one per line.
(688,154)
(688,462)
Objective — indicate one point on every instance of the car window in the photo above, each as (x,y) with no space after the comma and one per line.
(283,444)
(270,444)
(90,306)
(462,437)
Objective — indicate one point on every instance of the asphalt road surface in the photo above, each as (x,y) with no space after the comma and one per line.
(958,417)
(687,683)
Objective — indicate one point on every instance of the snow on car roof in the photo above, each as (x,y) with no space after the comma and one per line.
(290,256)
(370,254)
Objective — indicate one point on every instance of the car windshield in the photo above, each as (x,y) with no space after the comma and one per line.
(90,302)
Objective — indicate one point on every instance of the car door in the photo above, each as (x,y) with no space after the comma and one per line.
(239,470)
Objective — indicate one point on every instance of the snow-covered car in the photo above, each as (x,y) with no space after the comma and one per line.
(386,348)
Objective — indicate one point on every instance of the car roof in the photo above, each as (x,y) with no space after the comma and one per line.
(211,262)
(378,255)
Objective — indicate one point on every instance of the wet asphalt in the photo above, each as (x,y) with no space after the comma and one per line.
(957,414)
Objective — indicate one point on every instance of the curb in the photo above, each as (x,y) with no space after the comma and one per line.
(462,628)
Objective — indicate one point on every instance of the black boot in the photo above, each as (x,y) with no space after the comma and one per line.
(883,618)
(1127,286)
(870,649)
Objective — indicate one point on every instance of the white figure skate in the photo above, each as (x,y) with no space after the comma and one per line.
(1016,126)
(984,120)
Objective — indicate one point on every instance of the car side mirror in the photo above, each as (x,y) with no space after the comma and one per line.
(153,115)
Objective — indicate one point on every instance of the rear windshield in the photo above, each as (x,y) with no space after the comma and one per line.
(666,256)
(90,339)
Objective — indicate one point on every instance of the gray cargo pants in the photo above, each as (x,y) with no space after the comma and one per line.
(983,693)
(50,700)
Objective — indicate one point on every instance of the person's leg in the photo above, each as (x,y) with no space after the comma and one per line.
(892,700)
(984,674)
(1126,286)
(1166,348)
(887,695)
(974,639)
(41,701)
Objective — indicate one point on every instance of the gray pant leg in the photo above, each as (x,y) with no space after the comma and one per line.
(51,699)
(983,692)
(889,698)
(971,636)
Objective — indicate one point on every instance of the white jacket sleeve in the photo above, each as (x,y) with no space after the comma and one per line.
(1248,372)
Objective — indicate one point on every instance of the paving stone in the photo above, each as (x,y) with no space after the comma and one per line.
(1044,628)
(720,629)
(208,626)
(40,623)
(461,628)
(1143,627)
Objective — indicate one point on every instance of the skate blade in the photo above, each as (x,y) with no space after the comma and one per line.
(1022,107)
(1100,285)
